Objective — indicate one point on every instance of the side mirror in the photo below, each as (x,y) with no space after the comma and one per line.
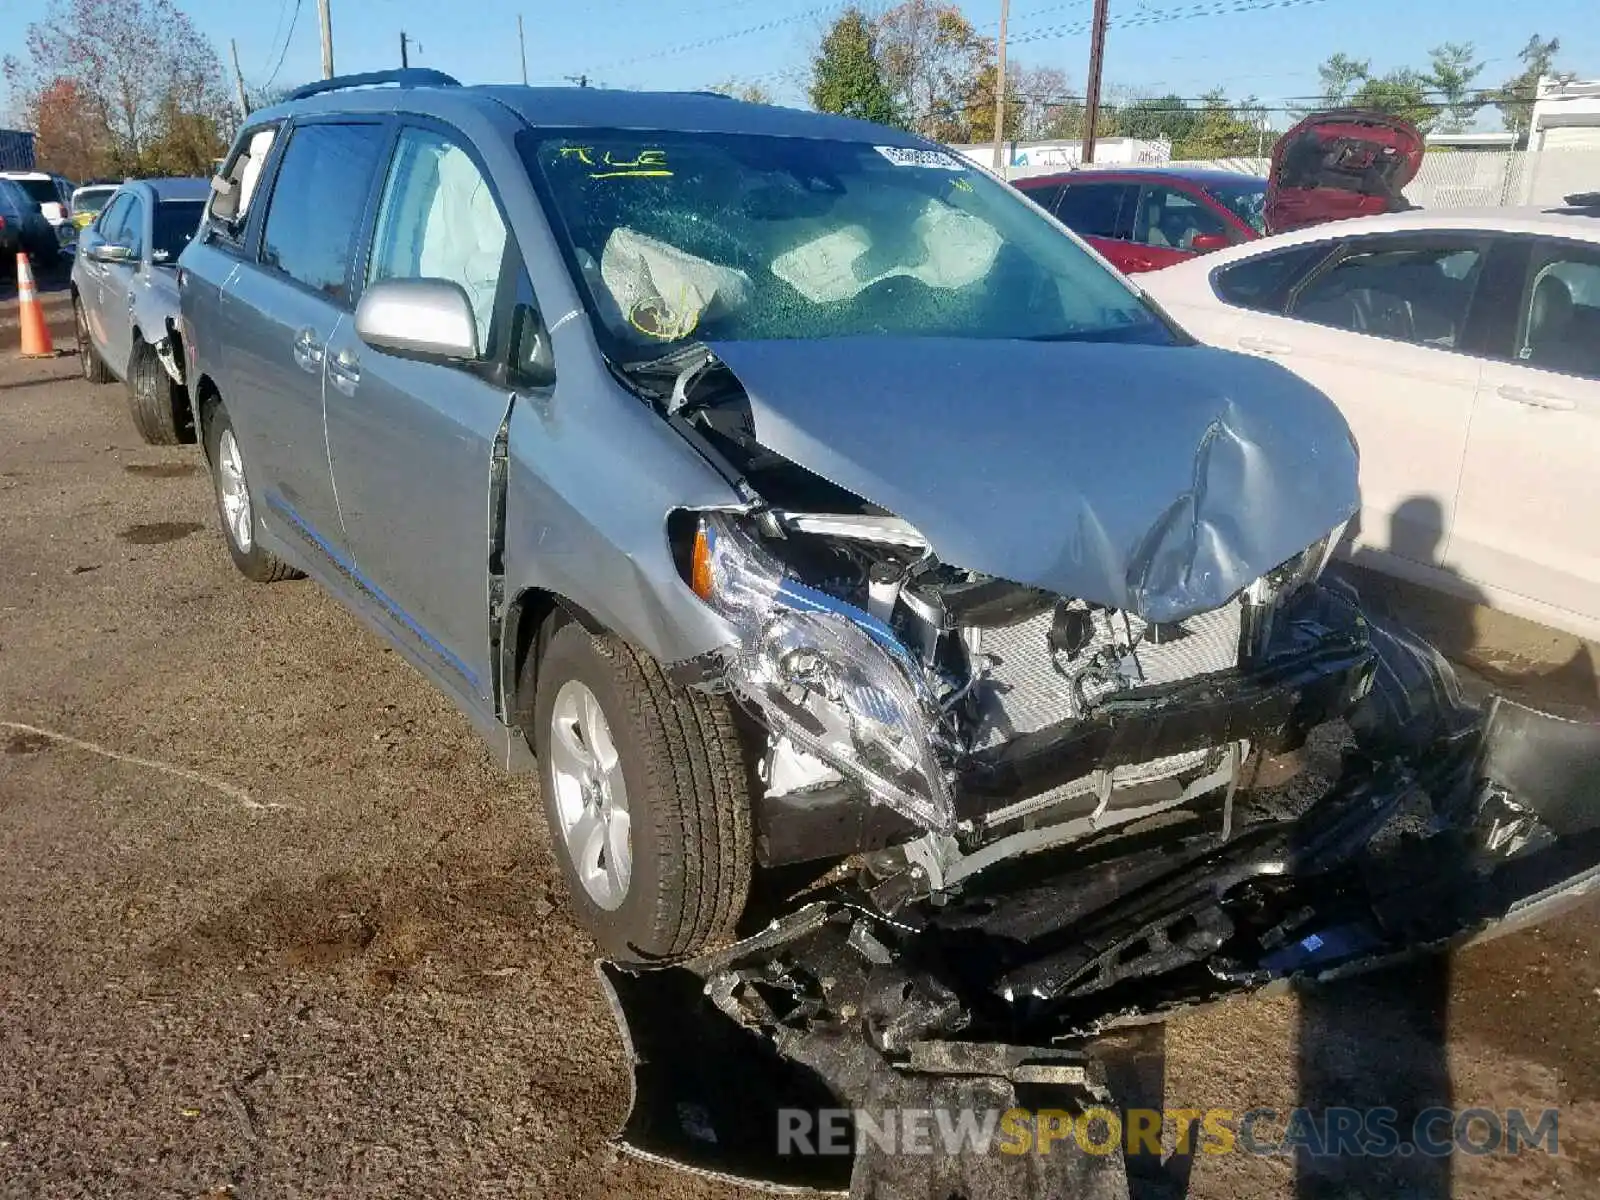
(430,319)
(111,252)
(1204,243)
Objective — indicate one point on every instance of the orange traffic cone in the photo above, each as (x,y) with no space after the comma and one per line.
(36,341)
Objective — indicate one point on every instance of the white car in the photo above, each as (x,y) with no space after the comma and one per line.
(51,193)
(1464,350)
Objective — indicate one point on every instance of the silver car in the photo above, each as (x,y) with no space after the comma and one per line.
(125,300)
(783,489)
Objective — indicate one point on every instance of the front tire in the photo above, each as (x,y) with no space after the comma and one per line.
(153,399)
(94,367)
(236,505)
(647,792)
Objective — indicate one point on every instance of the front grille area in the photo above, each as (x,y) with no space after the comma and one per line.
(1024,691)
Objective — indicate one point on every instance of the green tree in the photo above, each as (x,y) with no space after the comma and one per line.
(1451,75)
(846,74)
(1222,129)
(1154,117)
(1514,98)
(1341,75)
(1401,93)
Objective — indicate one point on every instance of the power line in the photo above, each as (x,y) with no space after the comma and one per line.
(288,37)
(720,38)
(276,27)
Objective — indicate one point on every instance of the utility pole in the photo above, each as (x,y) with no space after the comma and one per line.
(522,49)
(405,59)
(1097,54)
(238,78)
(325,15)
(1000,93)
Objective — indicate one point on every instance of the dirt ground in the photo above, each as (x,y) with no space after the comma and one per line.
(272,925)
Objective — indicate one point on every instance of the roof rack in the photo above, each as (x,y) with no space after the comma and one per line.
(408,77)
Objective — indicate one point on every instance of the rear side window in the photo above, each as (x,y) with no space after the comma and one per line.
(1260,283)
(317,203)
(1558,322)
(1099,209)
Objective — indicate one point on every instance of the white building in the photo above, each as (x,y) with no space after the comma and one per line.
(1038,158)
(1566,116)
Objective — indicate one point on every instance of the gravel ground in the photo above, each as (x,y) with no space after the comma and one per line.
(271,924)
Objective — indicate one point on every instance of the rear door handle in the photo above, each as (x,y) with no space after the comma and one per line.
(344,368)
(1260,345)
(1531,398)
(308,350)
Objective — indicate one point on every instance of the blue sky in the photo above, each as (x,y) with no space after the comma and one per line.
(1271,53)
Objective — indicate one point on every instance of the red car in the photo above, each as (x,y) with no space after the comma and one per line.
(1329,166)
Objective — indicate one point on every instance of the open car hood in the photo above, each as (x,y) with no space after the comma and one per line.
(1344,163)
(1157,480)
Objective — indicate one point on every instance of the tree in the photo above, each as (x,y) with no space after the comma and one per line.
(1043,94)
(750,92)
(1450,76)
(1401,93)
(980,106)
(1340,76)
(71,137)
(1153,117)
(846,74)
(933,60)
(1222,129)
(139,66)
(1514,98)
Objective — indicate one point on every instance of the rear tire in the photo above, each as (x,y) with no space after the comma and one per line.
(684,784)
(236,506)
(153,399)
(94,367)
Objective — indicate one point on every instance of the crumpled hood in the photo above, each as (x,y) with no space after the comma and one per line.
(1160,480)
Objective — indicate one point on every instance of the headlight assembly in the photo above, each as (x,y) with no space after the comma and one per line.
(831,677)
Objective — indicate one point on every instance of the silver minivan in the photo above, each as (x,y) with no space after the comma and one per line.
(786,489)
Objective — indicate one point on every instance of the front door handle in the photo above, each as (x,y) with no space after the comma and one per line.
(1262,345)
(1535,399)
(344,368)
(308,350)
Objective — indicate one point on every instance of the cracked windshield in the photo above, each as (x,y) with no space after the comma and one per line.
(729,238)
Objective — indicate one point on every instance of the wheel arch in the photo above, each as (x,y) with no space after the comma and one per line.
(528,616)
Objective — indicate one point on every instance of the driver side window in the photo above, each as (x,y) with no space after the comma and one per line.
(439,220)
(1397,289)
(1170,218)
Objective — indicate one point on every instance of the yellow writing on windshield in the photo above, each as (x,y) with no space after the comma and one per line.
(648,164)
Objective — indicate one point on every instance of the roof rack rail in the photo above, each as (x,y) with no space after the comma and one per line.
(407,77)
(1584,200)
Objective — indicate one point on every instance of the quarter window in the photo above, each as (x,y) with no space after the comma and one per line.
(1407,292)
(438,220)
(317,202)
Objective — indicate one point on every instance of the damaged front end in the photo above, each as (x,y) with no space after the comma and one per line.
(1041,778)
(979,997)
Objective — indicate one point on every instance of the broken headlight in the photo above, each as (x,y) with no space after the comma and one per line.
(833,678)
